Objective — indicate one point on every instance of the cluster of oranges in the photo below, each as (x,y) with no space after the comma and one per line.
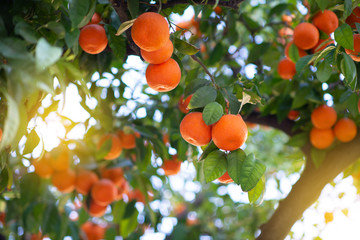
(229,133)
(351,20)
(92,38)
(306,37)
(151,33)
(322,135)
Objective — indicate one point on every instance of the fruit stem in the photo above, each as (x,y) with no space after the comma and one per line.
(195,58)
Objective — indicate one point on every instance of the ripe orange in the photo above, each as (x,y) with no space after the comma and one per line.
(128,140)
(171,166)
(293,115)
(93,39)
(194,130)
(64,181)
(286,68)
(287,18)
(97,210)
(321,138)
(137,195)
(218,10)
(354,17)
(230,132)
(150,31)
(85,179)
(1,133)
(93,231)
(251,125)
(225,178)
(116,147)
(104,192)
(355,54)
(306,35)
(166,139)
(329,217)
(323,117)
(163,77)
(159,56)
(326,21)
(345,130)
(183,26)
(116,175)
(319,48)
(302,53)
(95,19)
(182,104)
(43,167)
(59,159)
(285,32)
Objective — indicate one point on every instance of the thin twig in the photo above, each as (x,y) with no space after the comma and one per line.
(195,58)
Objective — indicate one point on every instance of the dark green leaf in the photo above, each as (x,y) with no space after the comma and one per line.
(185,47)
(251,172)
(29,187)
(133,7)
(347,8)
(127,226)
(257,51)
(71,38)
(294,53)
(348,68)
(323,72)
(4,179)
(116,43)
(78,11)
(322,4)
(129,210)
(202,96)
(302,63)
(344,36)
(31,142)
(208,149)
(217,54)
(214,165)
(300,97)
(212,113)
(235,161)
(13,48)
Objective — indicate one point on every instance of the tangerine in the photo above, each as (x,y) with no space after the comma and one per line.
(85,179)
(64,181)
(182,104)
(116,175)
(116,147)
(286,68)
(43,167)
(194,130)
(93,39)
(225,178)
(159,56)
(323,117)
(104,192)
(321,138)
(293,115)
(306,35)
(345,130)
(171,166)
(97,210)
(128,140)
(355,54)
(326,21)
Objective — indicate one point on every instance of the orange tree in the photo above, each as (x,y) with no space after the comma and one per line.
(288,65)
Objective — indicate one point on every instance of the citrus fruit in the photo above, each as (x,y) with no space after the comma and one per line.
(194,130)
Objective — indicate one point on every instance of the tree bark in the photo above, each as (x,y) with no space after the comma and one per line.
(308,188)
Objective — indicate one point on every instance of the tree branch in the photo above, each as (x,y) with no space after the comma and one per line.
(308,188)
(230,4)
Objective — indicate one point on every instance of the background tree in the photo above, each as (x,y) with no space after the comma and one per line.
(113,177)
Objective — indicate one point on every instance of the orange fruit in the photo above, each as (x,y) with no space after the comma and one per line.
(166,139)
(323,117)
(136,195)
(218,10)
(286,18)
(321,138)
(302,53)
(116,175)
(59,159)
(286,68)
(128,140)
(159,56)
(93,231)
(225,178)
(329,217)
(355,54)
(251,125)
(202,48)
(326,21)
(163,77)
(93,39)
(150,31)
(85,179)
(293,115)
(194,130)
(171,166)
(1,133)
(354,17)
(319,48)
(182,104)
(43,167)
(104,192)
(95,19)
(96,210)
(116,147)
(285,32)
(345,130)
(306,35)
(181,26)
(230,132)
(64,181)
(192,221)
(2,218)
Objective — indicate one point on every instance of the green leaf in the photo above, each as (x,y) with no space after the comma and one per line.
(46,55)
(344,36)
(31,142)
(185,47)
(214,165)
(124,26)
(128,225)
(71,38)
(300,97)
(208,149)
(251,172)
(110,234)
(4,179)
(217,54)
(129,210)
(257,51)
(57,28)
(302,63)
(235,161)
(12,122)
(116,43)
(202,96)
(256,195)
(104,149)
(212,113)
(294,53)
(78,10)
(133,7)
(13,48)
(347,8)
(322,4)
(323,53)
(323,71)
(26,31)
(51,221)
(3,31)
(298,140)
(348,68)
(317,156)
(29,187)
